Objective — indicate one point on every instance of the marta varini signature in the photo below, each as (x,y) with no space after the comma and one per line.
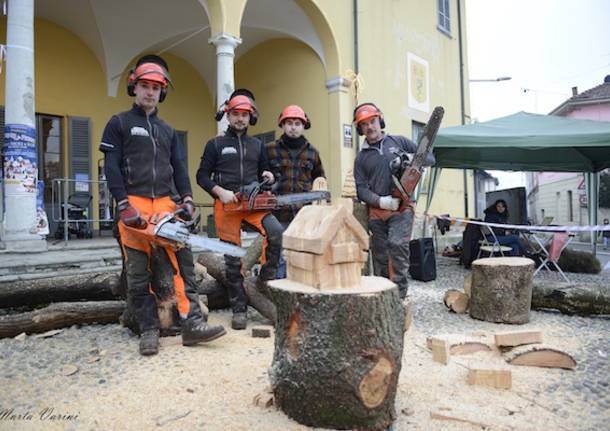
(46,414)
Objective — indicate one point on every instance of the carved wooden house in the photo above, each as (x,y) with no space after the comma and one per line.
(325,247)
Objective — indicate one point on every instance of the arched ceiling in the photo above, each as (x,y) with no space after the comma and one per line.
(119,30)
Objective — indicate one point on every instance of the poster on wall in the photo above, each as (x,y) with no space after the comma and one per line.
(418,82)
(347,136)
(42,223)
(20,159)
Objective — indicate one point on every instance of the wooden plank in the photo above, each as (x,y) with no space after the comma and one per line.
(494,378)
(517,338)
(541,356)
(440,350)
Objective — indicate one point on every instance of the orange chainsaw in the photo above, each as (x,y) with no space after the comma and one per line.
(258,196)
(167,229)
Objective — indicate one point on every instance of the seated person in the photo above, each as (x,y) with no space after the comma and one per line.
(498,213)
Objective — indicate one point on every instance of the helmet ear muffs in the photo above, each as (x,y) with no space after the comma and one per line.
(131,83)
(253,118)
(163,94)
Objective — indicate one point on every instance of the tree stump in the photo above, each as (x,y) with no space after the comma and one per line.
(338,353)
(501,289)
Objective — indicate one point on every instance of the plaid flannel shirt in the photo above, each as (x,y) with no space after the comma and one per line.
(296,173)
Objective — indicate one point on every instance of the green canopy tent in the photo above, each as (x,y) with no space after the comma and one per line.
(528,142)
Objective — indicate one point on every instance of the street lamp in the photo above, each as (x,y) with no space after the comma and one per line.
(502,78)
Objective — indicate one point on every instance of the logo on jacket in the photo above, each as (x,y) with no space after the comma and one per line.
(139,131)
(228,150)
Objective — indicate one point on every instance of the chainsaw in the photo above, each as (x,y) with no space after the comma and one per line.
(407,170)
(258,196)
(167,229)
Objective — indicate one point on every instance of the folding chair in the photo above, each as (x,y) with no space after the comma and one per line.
(558,243)
(488,247)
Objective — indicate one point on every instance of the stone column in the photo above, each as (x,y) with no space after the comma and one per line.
(225,78)
(20,153)
(340,108)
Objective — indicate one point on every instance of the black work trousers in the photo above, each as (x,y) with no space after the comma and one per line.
(390,248)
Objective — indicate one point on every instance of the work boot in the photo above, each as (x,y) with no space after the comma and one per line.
(149,342)
(200,332)
(239,321)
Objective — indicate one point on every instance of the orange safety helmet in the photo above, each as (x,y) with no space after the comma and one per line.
(366,111)
(150,68)
(151,72)
(240,103)
(294,111)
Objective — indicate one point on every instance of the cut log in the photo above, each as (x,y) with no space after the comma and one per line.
(92,285)
(60,315)
(493,378)
(460,345)
(338,353)
(512,339)
(215,266)
(217,294)
(253,255)
(502,289)
(583,299)
(456,301)
(408,313)
(468,347)
(541,356)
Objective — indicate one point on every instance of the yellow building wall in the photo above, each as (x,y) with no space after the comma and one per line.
(387,31)
(69,81)
(292,75)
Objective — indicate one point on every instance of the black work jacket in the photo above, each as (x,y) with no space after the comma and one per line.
(372,172)
(142,156)
(231,161)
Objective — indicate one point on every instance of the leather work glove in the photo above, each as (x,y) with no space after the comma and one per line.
(389,203)
(187,208)
(130,215)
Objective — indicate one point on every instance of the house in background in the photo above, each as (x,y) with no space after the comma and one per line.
(562,195)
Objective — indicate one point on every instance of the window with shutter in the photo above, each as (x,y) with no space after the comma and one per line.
(444,17)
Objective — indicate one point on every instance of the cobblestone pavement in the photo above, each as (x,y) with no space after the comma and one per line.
(96,374)
(580,397)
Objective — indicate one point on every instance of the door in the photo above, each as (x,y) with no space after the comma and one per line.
(50,159)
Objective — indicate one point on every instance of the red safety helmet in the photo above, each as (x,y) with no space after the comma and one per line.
(240,103)
(294,111)
(151,72)
(366,111)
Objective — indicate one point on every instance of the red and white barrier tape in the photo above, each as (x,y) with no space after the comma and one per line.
(596,228)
